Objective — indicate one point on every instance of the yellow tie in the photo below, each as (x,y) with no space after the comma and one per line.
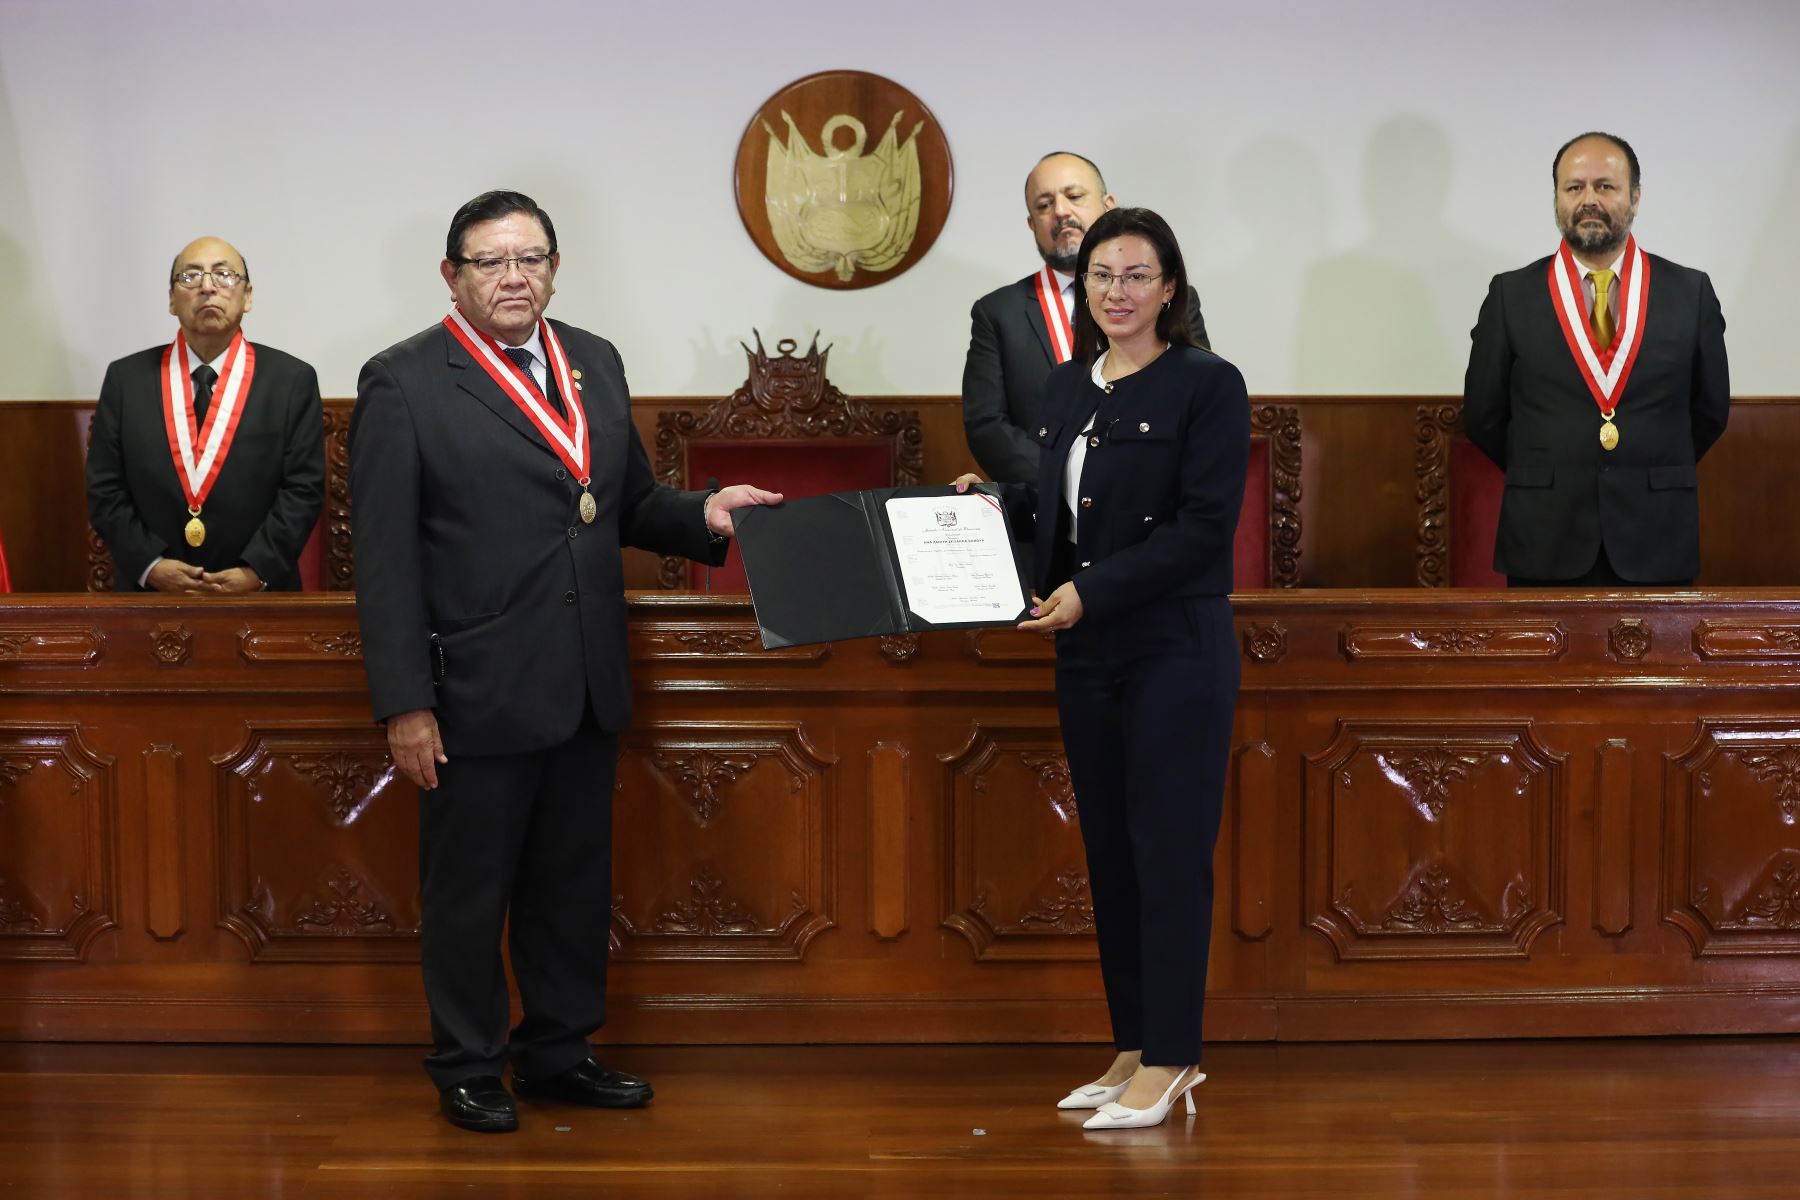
(1602,320)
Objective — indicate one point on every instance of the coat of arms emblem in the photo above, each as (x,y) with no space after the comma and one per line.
(843,179)
(842,209)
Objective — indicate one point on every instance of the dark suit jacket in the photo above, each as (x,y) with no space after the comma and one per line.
(466,526)
(1003,377)
(262,507)
(1166,482)
(1527,407)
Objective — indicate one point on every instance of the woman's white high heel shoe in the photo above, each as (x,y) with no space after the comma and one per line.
(1093,1095)
(1117,1116)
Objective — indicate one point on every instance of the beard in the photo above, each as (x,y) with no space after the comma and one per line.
(1608,238)
(1058,258)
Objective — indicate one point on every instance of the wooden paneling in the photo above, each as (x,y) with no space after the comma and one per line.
(1360,491)
(1449,813)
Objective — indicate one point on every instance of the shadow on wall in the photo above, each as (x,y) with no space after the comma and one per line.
(36,355)
(1394,314)
(1278,196)
(1750,318)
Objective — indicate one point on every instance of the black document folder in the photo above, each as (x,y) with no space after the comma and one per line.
(824,569)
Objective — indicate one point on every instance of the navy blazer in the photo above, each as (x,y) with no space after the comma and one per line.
(1527,407)
(1160,492)
(1003,377)
(466,526)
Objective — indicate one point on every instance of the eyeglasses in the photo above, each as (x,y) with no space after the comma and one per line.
(528,264)
(1134,283)
(224,278)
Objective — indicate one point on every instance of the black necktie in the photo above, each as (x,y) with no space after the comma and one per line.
(522,357)
(204,376)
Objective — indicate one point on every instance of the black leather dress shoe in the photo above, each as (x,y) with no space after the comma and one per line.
(589,1083)
(481,1103)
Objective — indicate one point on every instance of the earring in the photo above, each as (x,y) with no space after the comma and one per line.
(1165,306)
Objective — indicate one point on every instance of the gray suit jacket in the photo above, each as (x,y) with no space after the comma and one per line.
(466,527)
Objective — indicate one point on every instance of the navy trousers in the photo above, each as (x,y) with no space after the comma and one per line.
(1146,704)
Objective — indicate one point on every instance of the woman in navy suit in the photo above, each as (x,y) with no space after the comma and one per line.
(1143,446)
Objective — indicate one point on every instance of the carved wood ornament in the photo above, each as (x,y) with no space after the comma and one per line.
(785,396)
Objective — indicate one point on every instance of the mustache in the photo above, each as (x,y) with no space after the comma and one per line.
(1598,214)
(1070,223)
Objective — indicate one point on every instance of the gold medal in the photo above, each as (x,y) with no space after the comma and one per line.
(195,532)
(1609,435)
(589,510)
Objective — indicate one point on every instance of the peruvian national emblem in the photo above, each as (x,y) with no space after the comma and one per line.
(841,209)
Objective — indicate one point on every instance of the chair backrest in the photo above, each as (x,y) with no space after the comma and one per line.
(787,429)
(1459,493)
(1265,550)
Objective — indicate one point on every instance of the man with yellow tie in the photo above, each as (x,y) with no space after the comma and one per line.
(1596,380)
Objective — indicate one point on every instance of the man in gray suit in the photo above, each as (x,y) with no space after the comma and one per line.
(496,474)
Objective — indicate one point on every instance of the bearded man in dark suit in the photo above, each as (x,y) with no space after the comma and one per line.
(206,458)
(1596,380)
(495,474)
(1020,331)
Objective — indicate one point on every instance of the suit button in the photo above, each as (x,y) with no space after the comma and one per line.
(1087,564)
(1093,443)
(561,474)
(573,530)
(1087,502)
(1143,427)
(568,597)
(1043,431)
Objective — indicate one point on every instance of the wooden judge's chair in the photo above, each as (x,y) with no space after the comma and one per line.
(1460,490)
(1266,549)
(789,430)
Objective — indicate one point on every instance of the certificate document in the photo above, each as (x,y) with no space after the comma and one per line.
(955,557)
(878,562)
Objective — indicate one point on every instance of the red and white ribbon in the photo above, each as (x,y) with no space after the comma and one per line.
(567,436)
(1604,370)
(1056,317)
(200,452)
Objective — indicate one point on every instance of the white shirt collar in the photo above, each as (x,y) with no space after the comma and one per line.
(535,344)
(193,360)
(1614,266)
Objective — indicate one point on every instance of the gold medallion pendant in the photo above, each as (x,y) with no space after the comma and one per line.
(1609,435)
(588,508)
(194,532)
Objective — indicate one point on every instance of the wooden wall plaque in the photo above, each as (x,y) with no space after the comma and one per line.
(843,179)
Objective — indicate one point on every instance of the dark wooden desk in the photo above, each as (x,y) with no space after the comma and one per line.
(1450,814)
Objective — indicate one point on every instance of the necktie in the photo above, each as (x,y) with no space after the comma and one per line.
(522,357)
(204,377)
(1602,320)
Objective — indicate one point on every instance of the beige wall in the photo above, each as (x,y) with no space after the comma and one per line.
(1344,176)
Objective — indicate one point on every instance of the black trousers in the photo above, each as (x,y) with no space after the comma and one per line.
(520,842)
(1146,705)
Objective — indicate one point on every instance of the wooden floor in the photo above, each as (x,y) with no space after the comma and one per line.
(1641,1119)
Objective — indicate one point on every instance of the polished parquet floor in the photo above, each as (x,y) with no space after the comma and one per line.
(1714,1118)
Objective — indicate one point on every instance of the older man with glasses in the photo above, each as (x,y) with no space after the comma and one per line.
(206,461)
(497,473)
